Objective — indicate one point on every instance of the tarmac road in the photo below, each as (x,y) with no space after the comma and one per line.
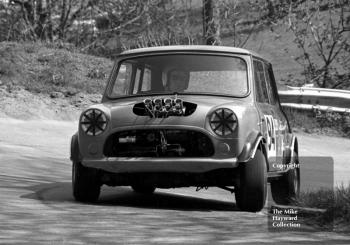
(37,207)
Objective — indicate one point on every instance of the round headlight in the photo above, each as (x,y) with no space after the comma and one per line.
(223,122)
(93,122)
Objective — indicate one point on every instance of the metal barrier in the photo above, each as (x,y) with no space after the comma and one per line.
(306,98)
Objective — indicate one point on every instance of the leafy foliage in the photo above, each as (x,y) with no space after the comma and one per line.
(321,30)
(110,26)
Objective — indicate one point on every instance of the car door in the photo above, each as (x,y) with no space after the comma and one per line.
(281,124)
(266,110)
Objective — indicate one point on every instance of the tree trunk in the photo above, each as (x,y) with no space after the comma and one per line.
(211,22)
(41,15)
(49,7)
(62,25)
(270,9)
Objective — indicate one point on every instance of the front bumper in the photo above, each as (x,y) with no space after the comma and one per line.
(150,164)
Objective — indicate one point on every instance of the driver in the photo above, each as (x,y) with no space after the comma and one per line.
(178,80)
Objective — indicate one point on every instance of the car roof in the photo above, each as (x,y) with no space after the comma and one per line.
(191,48)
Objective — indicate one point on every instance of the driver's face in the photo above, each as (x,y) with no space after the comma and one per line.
(177,81)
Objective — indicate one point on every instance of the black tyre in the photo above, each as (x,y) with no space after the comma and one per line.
(287,188)
(86,184)
(251,194)
(143,189)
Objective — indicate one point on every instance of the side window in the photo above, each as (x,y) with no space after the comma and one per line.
(137,81)
(146,80)
(270,86)
(260,83)
(122,82)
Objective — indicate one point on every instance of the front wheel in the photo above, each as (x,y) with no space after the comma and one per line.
(251,194)
(86,184)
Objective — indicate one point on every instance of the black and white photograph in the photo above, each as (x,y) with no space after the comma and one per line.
(174,122)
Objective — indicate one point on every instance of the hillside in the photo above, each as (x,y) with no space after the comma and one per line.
(44,81)
(50,80)
(276,45)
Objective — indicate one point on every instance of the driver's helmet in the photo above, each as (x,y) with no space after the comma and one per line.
(178,80)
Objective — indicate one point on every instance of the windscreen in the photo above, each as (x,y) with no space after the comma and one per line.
(181,73)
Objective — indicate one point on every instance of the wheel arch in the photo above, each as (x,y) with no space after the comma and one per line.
(295,145)
(254,141)
(294,148)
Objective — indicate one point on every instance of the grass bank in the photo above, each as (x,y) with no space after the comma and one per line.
(46,68)
(316,122)
(49,81)
(336,203)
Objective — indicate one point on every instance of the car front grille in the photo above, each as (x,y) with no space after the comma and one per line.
(158,143)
